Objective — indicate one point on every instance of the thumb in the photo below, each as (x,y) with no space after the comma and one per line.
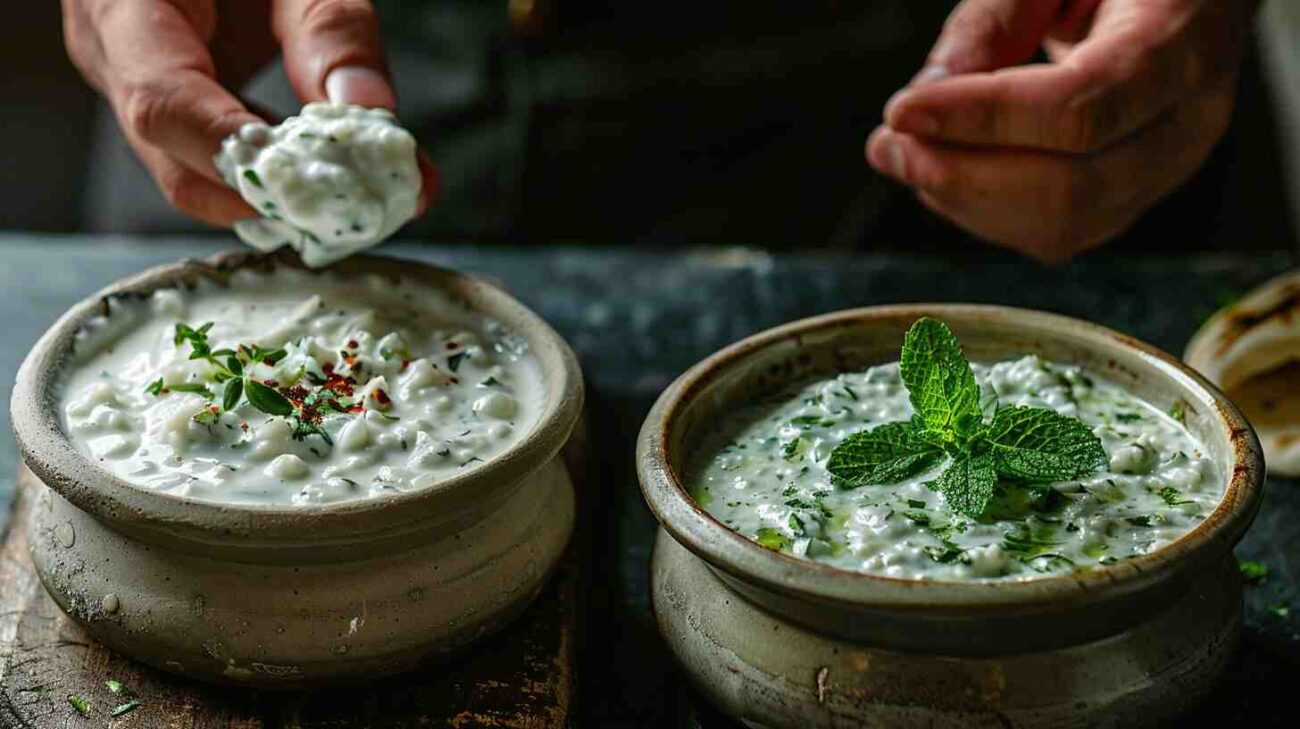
(332,51)
(985,35)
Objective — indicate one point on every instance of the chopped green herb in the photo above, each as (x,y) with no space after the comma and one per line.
(453,361)
(916,503)
(491,382)
(1178,413)
(1280,611)
(252,178)
(155,387)
(1172,496)
(1253,572)
(1127,417)
(115,686)
(772,539)
(81,705)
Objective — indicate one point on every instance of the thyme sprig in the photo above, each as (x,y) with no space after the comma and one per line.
(232,370)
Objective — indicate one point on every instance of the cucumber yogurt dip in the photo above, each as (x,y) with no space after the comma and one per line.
(780,473)
(289,388)
(334,180)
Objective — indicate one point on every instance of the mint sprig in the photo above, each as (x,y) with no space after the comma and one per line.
(1019,445)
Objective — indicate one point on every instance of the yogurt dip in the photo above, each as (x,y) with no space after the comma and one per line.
(765,476)
(389,386)
(334,180)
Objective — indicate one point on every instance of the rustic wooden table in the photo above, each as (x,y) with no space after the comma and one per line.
(638,318)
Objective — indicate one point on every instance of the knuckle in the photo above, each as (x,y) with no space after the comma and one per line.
(975,20)
(333,16)
(144,108)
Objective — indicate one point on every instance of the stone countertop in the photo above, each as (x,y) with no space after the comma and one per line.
(639,317)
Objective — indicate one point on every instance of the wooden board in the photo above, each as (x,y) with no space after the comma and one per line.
(522,677)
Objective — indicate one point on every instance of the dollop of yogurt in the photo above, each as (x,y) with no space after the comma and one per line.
(334,180)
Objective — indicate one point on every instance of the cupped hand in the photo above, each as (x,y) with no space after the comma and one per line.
(167,67)
(1053,158)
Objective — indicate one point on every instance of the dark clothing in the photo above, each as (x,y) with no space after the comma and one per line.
(677,123)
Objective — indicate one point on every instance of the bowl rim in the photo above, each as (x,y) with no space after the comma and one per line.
(738,557)
(47,451)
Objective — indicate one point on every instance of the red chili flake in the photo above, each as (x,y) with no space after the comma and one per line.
(244,426)
(381,397)
(328,368)
(352,344)
(269,361)
(453,346)
(340,384)
(297,393)
(455,380)
(405,363)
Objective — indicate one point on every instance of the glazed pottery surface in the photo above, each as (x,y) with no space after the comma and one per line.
(770,637)
(282,596)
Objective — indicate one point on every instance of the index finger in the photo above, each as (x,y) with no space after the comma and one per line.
(1110,86)
(162,83)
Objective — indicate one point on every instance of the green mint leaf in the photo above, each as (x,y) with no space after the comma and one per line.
(1036,444)
(266,399)
(968,484)
(883,455)
(939,380)
(235,367)
(234,391)
(126,708)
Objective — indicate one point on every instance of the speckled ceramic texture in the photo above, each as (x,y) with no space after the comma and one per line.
(280,596)
(780,641)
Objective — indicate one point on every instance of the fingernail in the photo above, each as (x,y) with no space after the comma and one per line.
(928,75)
(361,86)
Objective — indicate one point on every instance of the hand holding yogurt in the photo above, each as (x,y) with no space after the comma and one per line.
(167,69)
(334,180)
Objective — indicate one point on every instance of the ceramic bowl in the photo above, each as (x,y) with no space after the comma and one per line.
(779,641)
(282,596)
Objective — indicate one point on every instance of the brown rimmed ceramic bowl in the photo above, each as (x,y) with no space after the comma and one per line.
(779,641)
(283,596)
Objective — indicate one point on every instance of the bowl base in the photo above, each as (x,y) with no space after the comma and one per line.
(769,672)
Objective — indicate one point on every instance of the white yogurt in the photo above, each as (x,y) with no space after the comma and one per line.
(428,389)
(334,180)
(766,477)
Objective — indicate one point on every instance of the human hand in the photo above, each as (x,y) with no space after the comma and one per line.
(1054,158)
(165,67)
